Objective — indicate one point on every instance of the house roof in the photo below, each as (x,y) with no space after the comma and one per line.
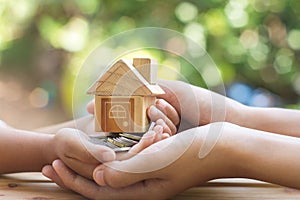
(123,79)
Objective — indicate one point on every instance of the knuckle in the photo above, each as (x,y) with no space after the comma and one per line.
(63,133)
(171,126)
(112,178)
(176,121)
(173,130)
(160,122)
(63,141)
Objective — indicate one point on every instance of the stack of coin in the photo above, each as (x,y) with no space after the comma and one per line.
(119,142)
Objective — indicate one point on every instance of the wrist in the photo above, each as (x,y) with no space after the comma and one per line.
(219,154)
(230,153)
(48,149)
(240,146)
(237,113)
(247,116)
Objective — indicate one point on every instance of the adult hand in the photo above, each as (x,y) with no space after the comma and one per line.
(198,106)
(74,148)
(158,172)
(68,179)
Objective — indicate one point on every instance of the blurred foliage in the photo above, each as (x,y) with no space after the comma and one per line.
(257,42)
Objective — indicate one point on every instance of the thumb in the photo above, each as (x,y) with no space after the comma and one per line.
(99,152)
(144,165)
(127,172)
(90,107)
(150,163)
(109,176)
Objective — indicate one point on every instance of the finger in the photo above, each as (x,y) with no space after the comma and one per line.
(149,189)
(155,114)
(107,176)
(170,94)
(168,110)
(165,136)
(81,168)
(73,143)
(73,181)
(165,127)
(147,139)
(150,163)
(123,173)
(90,107)
(50,173)
(159,132)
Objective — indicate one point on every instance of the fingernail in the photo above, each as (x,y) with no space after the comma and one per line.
(99,178)
(158,129)
(161,103)
(55,162)
(153,110)
(46,171)
(108,156)
(160,122)
(149,134)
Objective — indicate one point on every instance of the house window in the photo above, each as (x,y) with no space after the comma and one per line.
(117,111)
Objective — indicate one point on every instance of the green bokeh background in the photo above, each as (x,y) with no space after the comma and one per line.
(44,43)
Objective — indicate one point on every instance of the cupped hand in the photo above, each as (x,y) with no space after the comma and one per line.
(75,149)
(158,172)
(197,106)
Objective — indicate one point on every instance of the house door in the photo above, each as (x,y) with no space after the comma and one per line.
(119,115)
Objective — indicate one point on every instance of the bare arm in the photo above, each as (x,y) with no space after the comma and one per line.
(29,151)
(23,150)
(265,156)
(200,106)
(238,152)
(275,120)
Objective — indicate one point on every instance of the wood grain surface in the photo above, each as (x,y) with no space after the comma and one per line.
(33,186)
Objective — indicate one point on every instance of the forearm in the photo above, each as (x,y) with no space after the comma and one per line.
(274,120)
(217,108)
(265,156)
(198,106)
(24,151)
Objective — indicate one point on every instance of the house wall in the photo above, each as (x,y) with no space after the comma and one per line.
(141,119)
(137,121)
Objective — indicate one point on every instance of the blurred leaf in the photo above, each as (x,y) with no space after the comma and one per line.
(252,41)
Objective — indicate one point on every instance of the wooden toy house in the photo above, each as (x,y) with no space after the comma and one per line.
(122,95)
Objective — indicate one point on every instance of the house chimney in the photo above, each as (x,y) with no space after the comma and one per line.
(147,68)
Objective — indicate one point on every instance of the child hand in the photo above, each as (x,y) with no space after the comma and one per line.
(162,165)
(73,147)
(197,106)
(161,112)
(166,162)
(150,137)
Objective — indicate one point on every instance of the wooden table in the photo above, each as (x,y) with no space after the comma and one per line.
(33,186)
